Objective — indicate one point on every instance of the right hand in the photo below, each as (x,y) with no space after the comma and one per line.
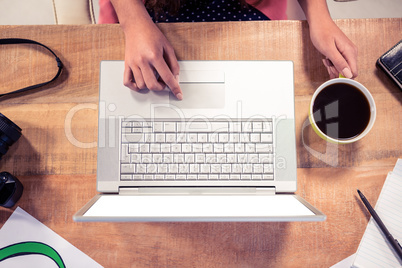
(340,52)
(150,61)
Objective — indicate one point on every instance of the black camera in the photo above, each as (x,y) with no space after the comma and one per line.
(10,187)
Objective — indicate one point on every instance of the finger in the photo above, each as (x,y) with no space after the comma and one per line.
(170,80)
(327,63)
(172,68)
(175,69)
(336,60)
(151,78)
(171,60)
(333,73)
(139,79)
(340,63)
(128,79)
(328,70)
(350,54)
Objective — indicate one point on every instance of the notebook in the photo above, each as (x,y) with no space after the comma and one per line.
(226,152)
(374,250)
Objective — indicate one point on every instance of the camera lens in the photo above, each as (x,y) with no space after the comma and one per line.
(9,133)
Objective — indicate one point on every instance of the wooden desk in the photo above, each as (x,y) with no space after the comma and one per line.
(57,163)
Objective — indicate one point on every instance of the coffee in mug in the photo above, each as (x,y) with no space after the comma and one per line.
(342,111)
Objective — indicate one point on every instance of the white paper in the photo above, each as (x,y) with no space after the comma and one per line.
(374,249)
(22,227)
(346,263)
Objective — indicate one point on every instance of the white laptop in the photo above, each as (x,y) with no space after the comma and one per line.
(226,152)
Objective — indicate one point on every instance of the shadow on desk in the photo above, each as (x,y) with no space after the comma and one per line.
(312,147)
(22,158)
(389,85)
(221,243)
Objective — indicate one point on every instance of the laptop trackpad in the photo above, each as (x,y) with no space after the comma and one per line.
(200,96)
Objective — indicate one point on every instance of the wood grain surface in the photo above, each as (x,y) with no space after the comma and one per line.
(56,157)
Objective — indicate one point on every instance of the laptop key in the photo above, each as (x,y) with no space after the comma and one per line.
(256,177)
(126,177)
(267,176)
(138,177)
(268,168)
(127,168)
(132,137)
(125,156)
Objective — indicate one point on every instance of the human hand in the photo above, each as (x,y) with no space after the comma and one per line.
(340,52)
(150,61)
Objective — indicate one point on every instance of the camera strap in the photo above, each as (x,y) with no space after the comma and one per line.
(9,41)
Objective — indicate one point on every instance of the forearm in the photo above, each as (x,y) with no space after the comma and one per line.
(316,11)
(131,13)
(339,52)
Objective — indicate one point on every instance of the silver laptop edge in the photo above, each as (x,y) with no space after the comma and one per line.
(316,216)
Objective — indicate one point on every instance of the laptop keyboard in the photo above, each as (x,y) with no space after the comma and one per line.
(196,150)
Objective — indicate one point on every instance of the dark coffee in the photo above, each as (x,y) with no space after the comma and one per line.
(341,111)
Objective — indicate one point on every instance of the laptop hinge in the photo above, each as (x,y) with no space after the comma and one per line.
(197,190)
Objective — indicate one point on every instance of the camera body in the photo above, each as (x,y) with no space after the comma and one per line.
(10,190)
(10,187)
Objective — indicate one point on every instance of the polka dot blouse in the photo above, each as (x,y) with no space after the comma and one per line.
(215,10)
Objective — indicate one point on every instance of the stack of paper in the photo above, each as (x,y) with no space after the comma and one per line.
(374,249)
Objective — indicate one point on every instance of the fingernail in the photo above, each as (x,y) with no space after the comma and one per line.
(347,73)
(179,96)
